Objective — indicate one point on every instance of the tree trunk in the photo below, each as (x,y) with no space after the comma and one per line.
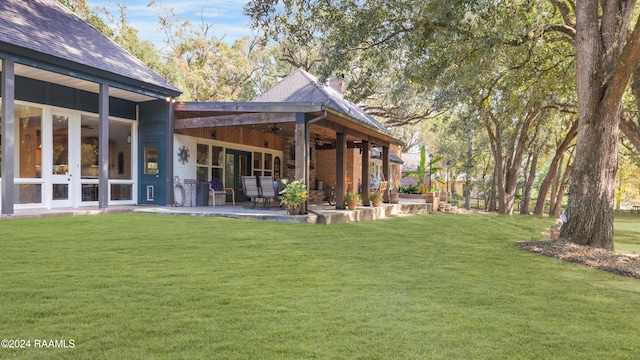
(559,196)
(606,55)
(528,184)
(467,191)
(630,128)
(492,196)
(497,185)
(592,185)
(553,168)
(555,185)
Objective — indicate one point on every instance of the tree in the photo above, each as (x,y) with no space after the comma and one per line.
(479,54)
(454,41)
(126,36)
(82,9)
(607,53)
(562,144)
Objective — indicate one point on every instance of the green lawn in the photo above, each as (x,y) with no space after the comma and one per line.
(128,286)
(627,233)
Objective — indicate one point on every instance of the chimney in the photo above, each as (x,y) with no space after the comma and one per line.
(338,83)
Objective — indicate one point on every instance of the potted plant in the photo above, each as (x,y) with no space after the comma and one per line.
(375,196)
(293,195)
(352,199)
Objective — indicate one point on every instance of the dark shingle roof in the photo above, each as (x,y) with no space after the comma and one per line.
(377,154)
(300,86)
(49,28)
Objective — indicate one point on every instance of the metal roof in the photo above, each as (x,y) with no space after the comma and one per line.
(300,86)
(45,34)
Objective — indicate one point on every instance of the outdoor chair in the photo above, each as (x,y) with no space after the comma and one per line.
(384,186)
(251,189)
(384,189)
(217,188)
(268,190)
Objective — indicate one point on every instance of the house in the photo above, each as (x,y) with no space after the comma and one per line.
(299,129)
(83,121)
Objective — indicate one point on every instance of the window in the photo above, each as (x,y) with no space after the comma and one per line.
(151,160)
(202,162)
(217,157)
(217,163)
(120,154)
(27,193)
(210,165)
(28,140)
(268,164)
(89,147)
(121,192)
(60,145)
(257,160)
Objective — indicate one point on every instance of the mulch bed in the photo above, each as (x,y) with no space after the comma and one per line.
(612,261)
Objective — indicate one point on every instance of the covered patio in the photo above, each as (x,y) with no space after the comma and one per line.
(313,126)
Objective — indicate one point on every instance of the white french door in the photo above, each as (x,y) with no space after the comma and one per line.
(64,160)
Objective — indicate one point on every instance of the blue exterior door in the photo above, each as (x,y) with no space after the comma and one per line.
(152,173)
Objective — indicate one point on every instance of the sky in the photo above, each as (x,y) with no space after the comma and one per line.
(226,15)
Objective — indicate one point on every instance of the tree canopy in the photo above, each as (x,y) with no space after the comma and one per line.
(513,62)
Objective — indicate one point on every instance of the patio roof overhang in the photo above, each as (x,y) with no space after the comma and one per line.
(189,115)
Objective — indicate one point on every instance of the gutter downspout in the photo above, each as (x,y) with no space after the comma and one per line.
(306,141)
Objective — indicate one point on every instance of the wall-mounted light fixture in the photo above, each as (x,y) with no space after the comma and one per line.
(214,134)
(266,143)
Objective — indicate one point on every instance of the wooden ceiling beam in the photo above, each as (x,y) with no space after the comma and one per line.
(235,120)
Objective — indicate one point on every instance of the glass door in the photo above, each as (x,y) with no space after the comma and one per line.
(63,161)
(237,164)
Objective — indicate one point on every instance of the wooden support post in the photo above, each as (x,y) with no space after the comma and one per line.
(365,172)
(301,147)
(301,153)
(341,168)
(386,171)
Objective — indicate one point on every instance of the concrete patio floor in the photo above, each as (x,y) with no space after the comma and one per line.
(317,214)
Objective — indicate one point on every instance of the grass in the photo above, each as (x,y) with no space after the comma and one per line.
(127,286)
(627,232)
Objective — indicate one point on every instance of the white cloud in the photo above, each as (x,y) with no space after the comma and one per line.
(227,16)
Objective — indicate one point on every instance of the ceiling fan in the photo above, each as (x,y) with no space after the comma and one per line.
(274,129)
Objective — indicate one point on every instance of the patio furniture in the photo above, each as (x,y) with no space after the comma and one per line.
(384,186)
(251,189)
(268,190)
(216,188)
